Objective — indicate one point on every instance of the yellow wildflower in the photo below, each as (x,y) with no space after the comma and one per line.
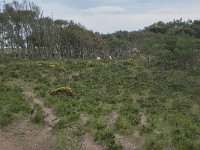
(90,63)
(67,90)
(53,66)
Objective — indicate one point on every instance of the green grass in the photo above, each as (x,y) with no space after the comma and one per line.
(170,100)
(37,115)
(12,105)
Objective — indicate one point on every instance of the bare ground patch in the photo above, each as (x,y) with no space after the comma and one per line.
(126,142)
(50,118)
(89,144)
(24,136)
(143,118)
(84,118)
(112,119)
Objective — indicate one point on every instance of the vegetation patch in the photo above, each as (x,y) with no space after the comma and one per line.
(91,63)
(65,90)
(12,105)
(40,63)
(37,115)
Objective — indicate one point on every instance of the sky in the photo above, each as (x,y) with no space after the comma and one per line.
(108,16)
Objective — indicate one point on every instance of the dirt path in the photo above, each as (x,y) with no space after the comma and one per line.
(50,118)
(112,119)
(133,142)
(84,118)
(127,143)
(143,118)
(23,135)
(89,143)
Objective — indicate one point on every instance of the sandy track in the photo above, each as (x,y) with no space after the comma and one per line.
(23,135)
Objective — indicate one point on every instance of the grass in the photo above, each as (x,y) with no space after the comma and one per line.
(37,115)
(12,105)
(169,98)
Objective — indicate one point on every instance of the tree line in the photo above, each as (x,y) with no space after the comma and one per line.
(176,44)
(26,33)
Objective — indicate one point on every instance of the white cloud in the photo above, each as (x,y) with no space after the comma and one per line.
(107,18)
(110,23)
(105,9)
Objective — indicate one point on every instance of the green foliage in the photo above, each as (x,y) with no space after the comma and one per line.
(146,129)
(130,112)
(108,138)
(163,70)
(91,63)
(122,124)
(156,142)
(12,105)
(5,119)
(169,98)
(98,123)
(172,51)
(128,62)
(37,116)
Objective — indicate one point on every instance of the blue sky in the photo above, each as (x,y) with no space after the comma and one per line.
(107,16)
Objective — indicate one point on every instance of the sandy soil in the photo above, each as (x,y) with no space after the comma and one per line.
(23,135)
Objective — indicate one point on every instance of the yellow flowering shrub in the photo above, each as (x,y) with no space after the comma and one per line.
(67,90)
(52,66)
(90,63)
(128,62)
(63,68)
(40,63)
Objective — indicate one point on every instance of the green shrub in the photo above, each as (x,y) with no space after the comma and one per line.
(37,116)
(11,104)
(108,138)
(5,119)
